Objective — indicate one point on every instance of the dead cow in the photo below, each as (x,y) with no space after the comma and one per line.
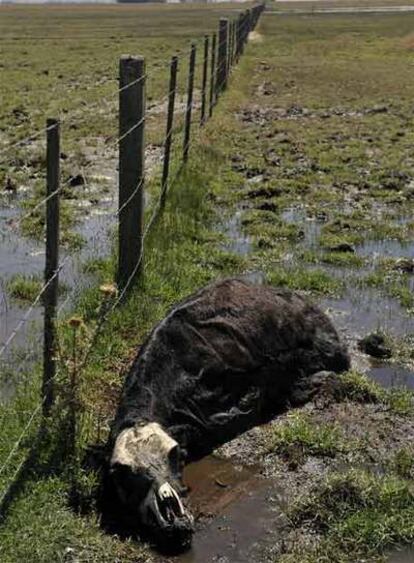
(228,358)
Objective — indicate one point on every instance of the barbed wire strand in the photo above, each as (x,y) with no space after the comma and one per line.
(147,229)
(185,51)
(105,316)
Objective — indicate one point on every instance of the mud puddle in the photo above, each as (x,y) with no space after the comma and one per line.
(236,512)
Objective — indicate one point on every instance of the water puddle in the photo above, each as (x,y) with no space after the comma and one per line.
(390,376)
(216,482)
(360,312)
(19,255)
(237,242)
(311,225)
(386,248)
(240,511)
(256,277)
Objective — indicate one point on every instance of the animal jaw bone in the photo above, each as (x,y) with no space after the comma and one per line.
(144,468)
(164,505)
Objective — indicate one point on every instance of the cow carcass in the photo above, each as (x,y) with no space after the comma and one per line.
(226,359)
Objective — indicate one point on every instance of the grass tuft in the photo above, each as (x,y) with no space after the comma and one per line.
(358,514)
(299,437)
(297,278)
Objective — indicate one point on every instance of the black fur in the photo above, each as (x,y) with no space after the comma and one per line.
(224,360)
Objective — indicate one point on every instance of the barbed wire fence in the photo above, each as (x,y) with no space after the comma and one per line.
(219,54)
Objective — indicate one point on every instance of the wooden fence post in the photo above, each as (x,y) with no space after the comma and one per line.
(248,23)
(187,131)
(239,35)
(228,57)
(222,55)
(168,135)
(131,167)
(233,41)
(50,295)
(204,81)
(243,32)
(212,74)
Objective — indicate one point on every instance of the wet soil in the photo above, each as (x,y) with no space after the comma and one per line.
(94,203)
(234,519)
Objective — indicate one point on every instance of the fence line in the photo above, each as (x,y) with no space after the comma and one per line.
(135,126)
(62,119)
(221,55)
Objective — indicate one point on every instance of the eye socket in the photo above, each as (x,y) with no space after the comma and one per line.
(132,487)
(174,458)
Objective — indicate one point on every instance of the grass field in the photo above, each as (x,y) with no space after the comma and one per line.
(310,152)
(63,62)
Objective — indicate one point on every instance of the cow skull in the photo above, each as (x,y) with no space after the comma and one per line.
(145,470)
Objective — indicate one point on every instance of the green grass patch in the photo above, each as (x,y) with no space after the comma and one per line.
(298,437)
(360,388)
(341,259)
(24,287)
(358,514)
(394,284)
(330,240)
(298,278)
(402,462)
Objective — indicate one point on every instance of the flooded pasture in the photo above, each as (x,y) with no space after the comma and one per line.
(20,322)
(237,242)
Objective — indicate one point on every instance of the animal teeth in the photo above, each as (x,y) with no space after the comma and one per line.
(166,491)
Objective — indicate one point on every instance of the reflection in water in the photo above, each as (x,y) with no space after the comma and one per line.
(310,225)
(392,376)
(237,242)
(365,310)
(386,248)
